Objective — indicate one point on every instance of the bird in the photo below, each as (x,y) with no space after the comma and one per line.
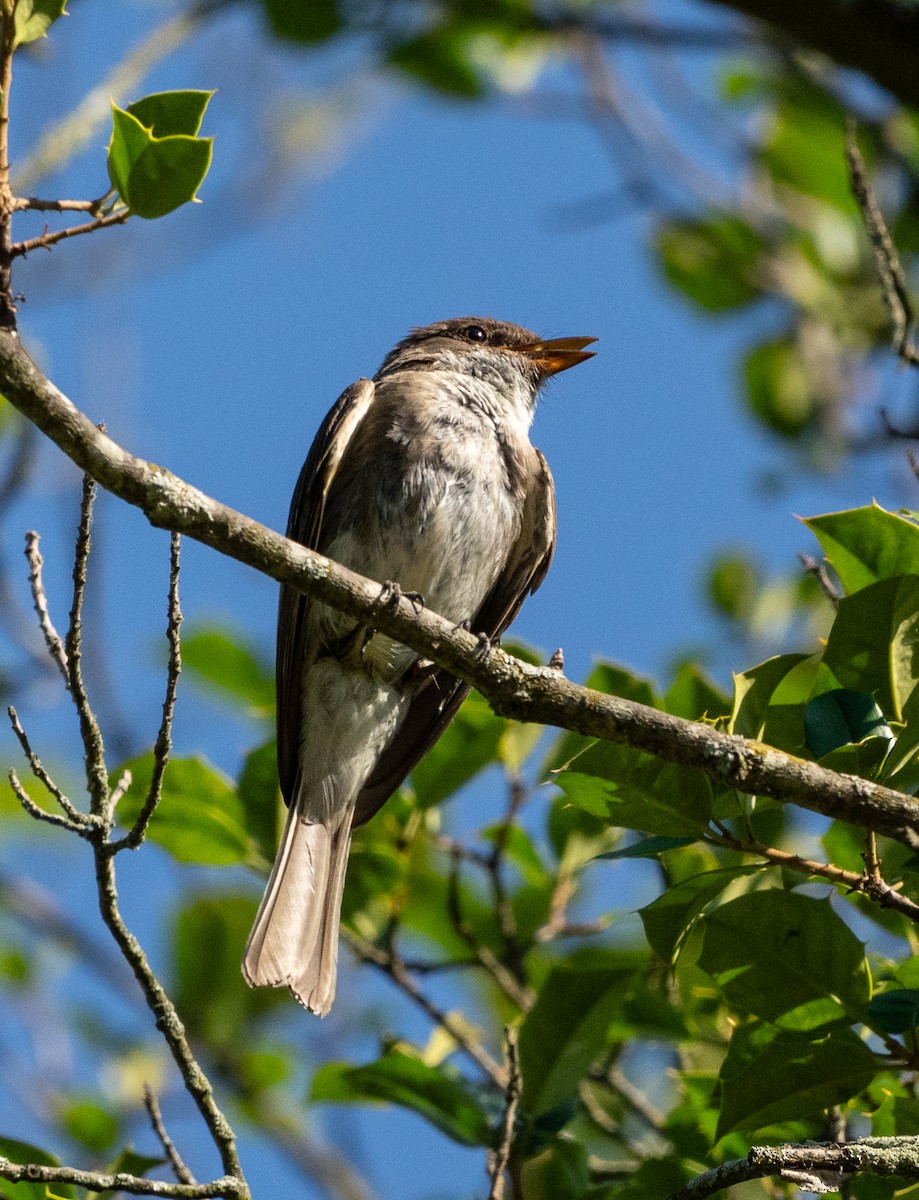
(424,480)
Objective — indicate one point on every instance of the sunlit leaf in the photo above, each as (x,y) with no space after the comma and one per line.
(668,918)
(168,113)
(33,18)
(866,545)
(220,659)
(714,261)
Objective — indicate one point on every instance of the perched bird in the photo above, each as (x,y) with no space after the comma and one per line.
(423,476)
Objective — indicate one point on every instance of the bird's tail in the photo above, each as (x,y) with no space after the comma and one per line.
(294,941)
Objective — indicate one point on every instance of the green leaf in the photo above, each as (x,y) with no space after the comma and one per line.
(611,680)
(559,1173)
(304,20)
(638,791)
(89,1124)
(566,1028)
(33,18)
(199,819)
(650,847)
(518,849)
(871,647)
(693,696)
(471,743)
(440,1094)
(805,149)
(260,797)
(165,114)
(154,175)
(779,387)
(22,1152)
(866,545)
(220,659)
(668,919)
(894,1011)
(714,261)
(787,958)
(443,58)
(774,1075)
(840,717)
(764,713)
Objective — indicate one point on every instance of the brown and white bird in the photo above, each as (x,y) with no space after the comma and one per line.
(424,476)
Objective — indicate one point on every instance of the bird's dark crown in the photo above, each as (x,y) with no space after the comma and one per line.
(419,348)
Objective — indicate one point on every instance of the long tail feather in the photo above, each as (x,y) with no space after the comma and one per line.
(294,941)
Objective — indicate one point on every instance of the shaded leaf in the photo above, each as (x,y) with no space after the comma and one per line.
(774,1075)
(779,387)
(260,797)
(566,1028)
(668,918)
(88,1123)
(22,1152)
(894,1011)
(471,743)
(840,717)
(787,958)
(440,1094)
(650,847)
(713,261)
(299,21)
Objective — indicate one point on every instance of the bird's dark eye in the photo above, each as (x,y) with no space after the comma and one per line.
(475,333)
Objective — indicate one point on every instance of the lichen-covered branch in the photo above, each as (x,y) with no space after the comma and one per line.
(513,688)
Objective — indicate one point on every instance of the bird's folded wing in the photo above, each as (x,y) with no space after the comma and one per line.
(435,705)
(304,525)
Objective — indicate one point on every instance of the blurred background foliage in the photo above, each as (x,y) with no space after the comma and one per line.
(653,1044)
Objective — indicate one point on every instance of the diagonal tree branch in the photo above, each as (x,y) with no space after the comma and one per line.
(513,688)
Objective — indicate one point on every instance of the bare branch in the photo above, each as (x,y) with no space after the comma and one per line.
(152,1105)
(26,203)
(877,1156)
(98,1181)
(93,747)
(38,770)
(511,1101)
(163,744)
(890,270)
(52,637)
(513,688)
(818,569)
(39,813)
(51,237)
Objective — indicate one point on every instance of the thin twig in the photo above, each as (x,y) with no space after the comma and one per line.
(889,268)
(41,774)
(392,966)
(511,1102)
(39,813)
(505,979)
(874,888)
(50,237)
(26,203)
(152,1105)
(163,744)
(7,46)
(52,638)
(818,569)
(93,747)
(516,798)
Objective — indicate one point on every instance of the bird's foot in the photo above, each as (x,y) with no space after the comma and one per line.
(486,645)
(391,594)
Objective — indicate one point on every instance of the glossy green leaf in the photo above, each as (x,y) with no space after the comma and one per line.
(199,819)
(637,791)
(840,717)
(871,647)
(787,958)
(894,1011)
(866,545)
(772,1075)
(33,18)
(220,659)
(762,712)
(865,758)
(668,919)
(470,743)
(566,1028)
(440,1094)
(154,175)
(304,20)
(693,695)
(714,261)
(779,388)
(22,1152)
(168,113)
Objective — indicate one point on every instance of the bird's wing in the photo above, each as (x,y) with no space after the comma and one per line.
(304,525)
(434,707)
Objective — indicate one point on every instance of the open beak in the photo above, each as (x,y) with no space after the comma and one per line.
(558,354)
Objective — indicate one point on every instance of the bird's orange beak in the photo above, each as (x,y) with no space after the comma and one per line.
(558,354)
